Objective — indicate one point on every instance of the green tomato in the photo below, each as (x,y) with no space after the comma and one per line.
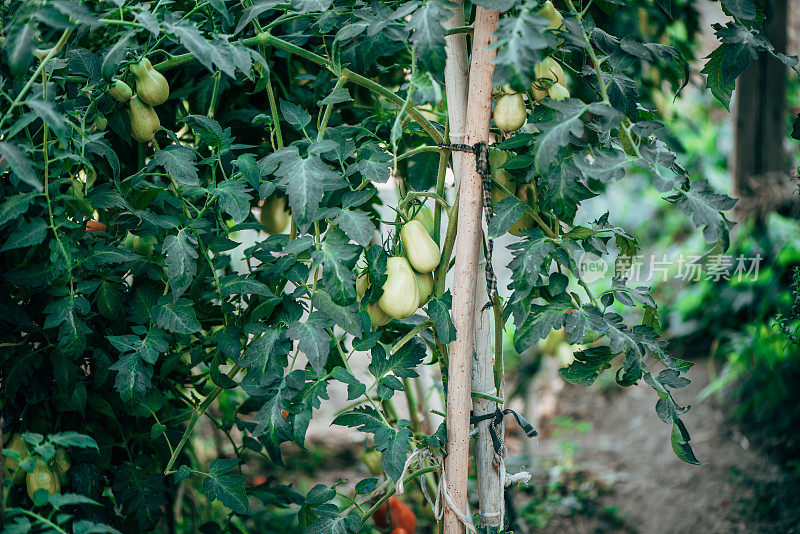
(61,464)
(372,459)
(42,478)
(549,11)
(400,297)
(274,215)
(421,250)
(558,92)
(151,86)
(10,465)
(509,112)
(425,284)
(497,158)
(376,315)
(425,216)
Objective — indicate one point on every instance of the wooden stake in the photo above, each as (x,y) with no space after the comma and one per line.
(465,272)
(490,476)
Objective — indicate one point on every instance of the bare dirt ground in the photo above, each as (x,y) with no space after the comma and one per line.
(738,489)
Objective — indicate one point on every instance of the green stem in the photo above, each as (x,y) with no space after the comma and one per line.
(447,250)
(444,156)
(499,370)
(413,410)
(408,337)
(266,38)
(53,51)
(488,397)
(213,104)
(43,520)
(415,194)
(198,412)
(274,110)
(419,150)
(391,491)
(328,109)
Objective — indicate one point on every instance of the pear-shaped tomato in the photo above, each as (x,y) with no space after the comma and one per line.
(525,194)
(425,284)
(151,86)
(42,478)
(400,297)
(376,315)
(61,464)
(425,216)
(100,123)
(11,465)
(549,11)
(274,215)
(144,120)
(558,92)
(549,72)
(509,112)
(421,250)
(120,91)
(497,158)
(372,459)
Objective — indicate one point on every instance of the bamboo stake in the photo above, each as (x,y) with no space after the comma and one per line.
(465,272)
(490,479)
(455,81)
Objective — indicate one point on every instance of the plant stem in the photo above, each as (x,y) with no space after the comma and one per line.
(328,109)
(408,337)
(198,412)
(266,38)
(391,491)
(53,51)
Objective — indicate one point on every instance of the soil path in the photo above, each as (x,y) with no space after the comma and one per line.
(738,489)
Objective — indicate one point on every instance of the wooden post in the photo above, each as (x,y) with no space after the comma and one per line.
(465,272)
(759,111)
(455,81)
(490,475)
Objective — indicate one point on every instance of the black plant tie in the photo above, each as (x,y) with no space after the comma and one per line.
(481,151)
(497,420)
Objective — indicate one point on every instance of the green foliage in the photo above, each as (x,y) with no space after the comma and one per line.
(139,290)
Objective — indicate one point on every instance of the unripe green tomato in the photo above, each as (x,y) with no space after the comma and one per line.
(509,112)
(549,72)
(10,465)
(497,158)
(425,216)
(549,11)
(376,315)
(100,123)
(120,91)
(538,94)
(42,478)
(525,194)
(400,297)
(425,284)
(372,459)
(143,245)
(558,92)
(274,215)
(61,464)
(144,120)
(421,250)
(151,86)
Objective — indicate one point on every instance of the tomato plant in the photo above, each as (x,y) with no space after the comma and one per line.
(189,209)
